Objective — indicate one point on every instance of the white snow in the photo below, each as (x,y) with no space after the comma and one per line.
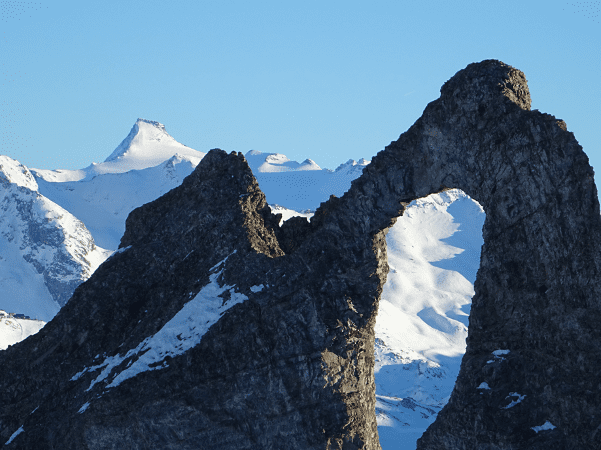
(433,255)
(401,421)
(300,186)
(147,145)
(289,213)
(38,237)
(514,401)
(16,173)
(23,288)
(83,407)
(14,435)
(257,288)
(124,249)
(14,330)
(498,356)
(276,162)
(484,385)
(147,164)
(545,426)
(184,331)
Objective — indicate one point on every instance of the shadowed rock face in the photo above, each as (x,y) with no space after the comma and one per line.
(288,360)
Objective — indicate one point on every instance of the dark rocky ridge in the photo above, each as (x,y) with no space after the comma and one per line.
(292,366)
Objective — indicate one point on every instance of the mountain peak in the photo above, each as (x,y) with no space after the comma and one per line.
(151,122)
(12,171)
(147,145)
(143,131)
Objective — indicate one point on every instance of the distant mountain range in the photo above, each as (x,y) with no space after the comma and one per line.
(58,226)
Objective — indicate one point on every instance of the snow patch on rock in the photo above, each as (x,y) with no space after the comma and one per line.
(517,398)
(14,435)
(544,427)
(184,331)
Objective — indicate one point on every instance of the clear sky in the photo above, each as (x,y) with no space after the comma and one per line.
(326,80)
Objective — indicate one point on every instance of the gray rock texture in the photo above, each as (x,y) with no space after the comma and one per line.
(291,366)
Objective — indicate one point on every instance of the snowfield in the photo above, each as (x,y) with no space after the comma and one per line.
(13,330)
(433,255)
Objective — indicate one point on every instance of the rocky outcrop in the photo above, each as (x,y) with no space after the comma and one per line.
(216,328)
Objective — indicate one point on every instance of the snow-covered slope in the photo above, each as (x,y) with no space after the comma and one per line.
(300,187)
(433,254)
(288,213)
(104,202)
(13,330)
(45,252)
(147,164)
(147,145)
(276,162)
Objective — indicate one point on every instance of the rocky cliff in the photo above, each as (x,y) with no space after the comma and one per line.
(213,327)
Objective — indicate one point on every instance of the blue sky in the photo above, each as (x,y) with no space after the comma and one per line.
(326,80)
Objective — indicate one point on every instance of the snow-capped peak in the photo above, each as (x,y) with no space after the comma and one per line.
(143,130)
(147,145)
(14,172)
(309,164)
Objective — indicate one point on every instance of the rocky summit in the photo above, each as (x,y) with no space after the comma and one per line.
(214,327)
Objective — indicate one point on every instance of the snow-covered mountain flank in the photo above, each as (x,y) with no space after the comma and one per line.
(417,367)
(14,329)
(45,252)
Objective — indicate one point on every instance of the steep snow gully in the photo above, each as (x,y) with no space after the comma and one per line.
(289,361)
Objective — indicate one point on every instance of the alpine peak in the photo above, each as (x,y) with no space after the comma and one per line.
(147,145)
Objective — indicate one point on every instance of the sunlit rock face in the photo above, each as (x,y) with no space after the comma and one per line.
(214,326)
